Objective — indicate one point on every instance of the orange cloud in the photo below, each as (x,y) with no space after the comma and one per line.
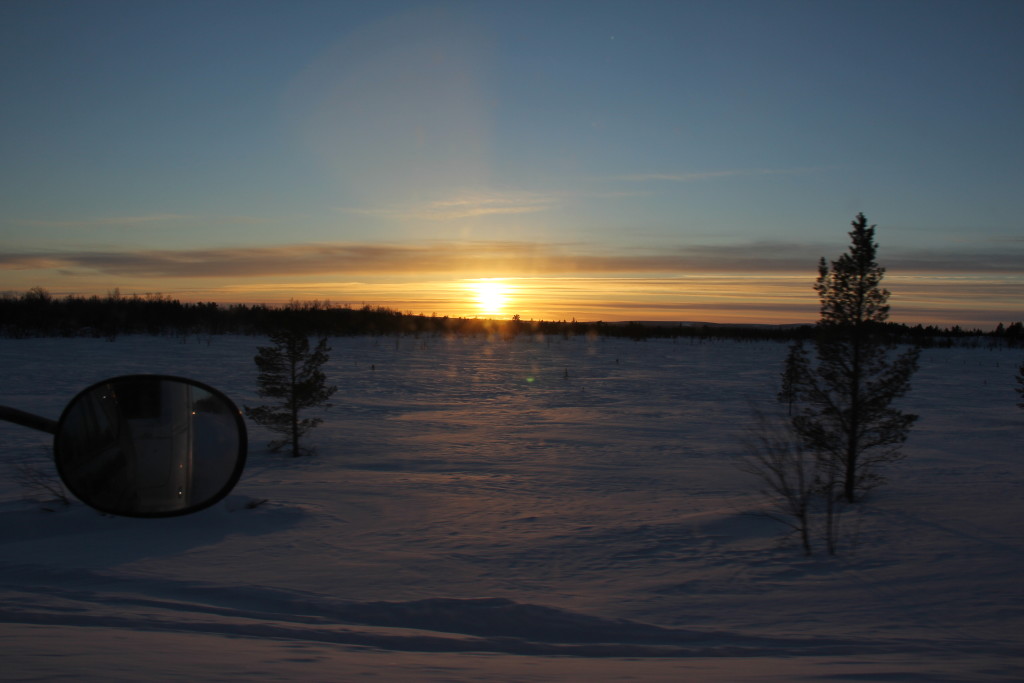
(763,282)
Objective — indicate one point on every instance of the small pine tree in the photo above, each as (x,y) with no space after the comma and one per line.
(842,398)
(796,363)
(290,372)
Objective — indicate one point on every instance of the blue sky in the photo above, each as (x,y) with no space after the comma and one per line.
(599,160)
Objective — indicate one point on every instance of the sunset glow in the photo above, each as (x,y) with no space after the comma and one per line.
(490,296)
(427,157)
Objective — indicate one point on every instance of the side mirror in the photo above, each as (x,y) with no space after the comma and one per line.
(150,446)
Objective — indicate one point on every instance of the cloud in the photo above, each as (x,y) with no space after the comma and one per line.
(1006,260)
(707,175)
(481,258)
(485,206)
(108,221)
(465,206)
(498,259)
(757,282)
(677,177)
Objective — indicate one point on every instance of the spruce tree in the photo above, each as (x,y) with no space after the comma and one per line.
(291,373)
(842,397)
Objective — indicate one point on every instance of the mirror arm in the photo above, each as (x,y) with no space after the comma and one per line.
(28,420)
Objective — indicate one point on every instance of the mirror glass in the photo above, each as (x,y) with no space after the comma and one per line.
(150,446)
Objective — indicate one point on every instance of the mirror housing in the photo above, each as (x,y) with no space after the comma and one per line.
(150,446)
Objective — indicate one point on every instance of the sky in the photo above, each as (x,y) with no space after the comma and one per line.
(687,160)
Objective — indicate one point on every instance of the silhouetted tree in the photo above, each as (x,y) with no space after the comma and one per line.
(796,362)
(1020,381)
(290,372)
(789,475)
(842,397)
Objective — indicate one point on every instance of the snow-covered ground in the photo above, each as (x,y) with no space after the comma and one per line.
(533,510)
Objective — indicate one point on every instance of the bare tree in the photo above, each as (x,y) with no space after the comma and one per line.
(40,481)
(787,473)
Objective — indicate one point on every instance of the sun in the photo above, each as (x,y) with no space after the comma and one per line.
(491,296)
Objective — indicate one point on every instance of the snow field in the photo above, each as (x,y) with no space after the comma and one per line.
(533,509)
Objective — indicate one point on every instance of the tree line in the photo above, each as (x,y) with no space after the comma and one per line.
(37,313)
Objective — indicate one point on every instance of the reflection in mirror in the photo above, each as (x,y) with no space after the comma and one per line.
(150,445)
